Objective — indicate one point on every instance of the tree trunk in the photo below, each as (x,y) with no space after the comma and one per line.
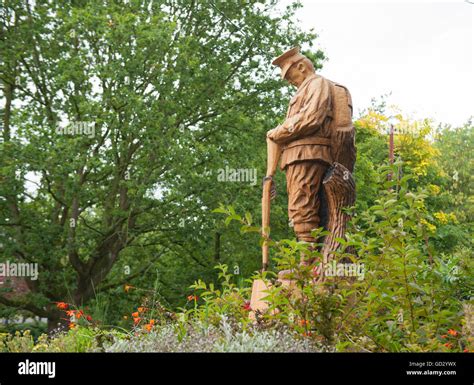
(339,188)
(217,247)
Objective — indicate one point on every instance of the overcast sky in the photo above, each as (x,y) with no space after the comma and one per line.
(421,51)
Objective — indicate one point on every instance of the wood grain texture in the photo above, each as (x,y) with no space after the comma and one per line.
(339,187)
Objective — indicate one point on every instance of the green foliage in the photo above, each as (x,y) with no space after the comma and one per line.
(226,337)
(409,295)
(226,300)
(175,92)
(78,340)
(35,328)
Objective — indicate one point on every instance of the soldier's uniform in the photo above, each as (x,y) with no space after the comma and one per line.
(305,140)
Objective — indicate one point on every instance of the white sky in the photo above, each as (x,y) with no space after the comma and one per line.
(421,51)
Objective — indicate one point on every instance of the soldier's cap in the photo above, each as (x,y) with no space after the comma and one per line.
(287,59)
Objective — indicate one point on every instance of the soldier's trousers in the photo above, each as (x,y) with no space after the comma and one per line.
(304,180)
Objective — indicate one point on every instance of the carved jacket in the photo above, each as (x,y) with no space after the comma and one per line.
(305,133)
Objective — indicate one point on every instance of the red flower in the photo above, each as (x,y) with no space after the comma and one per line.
(136,320)
(307,334)
(246,306)
(89,318)
(62,305)
(444,336)
(193,297)
(452,332)
(303,323)
(448,345)
(466,350)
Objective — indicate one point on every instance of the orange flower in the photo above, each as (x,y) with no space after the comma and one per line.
(70,313)
(72,325)
(193,297)
(303,323)
(452,332)
(141,309)
(307,334)
(148,327)
(152,322)
(79,314)
(135,315)
(136,320)
(62,305)
(127,288)
(444,336)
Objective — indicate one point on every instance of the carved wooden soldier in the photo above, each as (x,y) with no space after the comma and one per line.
(316,147)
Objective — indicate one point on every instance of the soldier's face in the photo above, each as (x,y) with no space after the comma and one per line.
(296,74)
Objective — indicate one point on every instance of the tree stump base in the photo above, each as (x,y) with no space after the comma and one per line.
(339,189)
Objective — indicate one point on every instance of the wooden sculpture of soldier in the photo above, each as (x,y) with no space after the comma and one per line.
(316,142)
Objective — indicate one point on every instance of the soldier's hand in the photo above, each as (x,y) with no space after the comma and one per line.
(271,132)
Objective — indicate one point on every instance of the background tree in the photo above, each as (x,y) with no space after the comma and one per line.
(175,90)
